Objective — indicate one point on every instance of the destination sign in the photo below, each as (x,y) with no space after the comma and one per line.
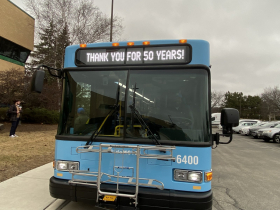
(134,56)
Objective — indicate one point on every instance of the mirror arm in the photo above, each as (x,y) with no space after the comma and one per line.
(49,70)
(230,139)
(216,138)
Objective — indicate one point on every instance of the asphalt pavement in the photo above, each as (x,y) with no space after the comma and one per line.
(245,177)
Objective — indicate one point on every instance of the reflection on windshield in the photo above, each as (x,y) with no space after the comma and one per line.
(152,104)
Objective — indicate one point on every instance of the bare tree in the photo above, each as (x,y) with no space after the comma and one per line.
(60,23)
(272,96)
(11,85)
(87,24)
(271,101)
(216,98)
(14,84)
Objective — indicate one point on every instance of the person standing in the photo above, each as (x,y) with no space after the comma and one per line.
(15,111)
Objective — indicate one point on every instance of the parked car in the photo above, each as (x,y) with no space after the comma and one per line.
(242,124)
(254,131)
(249,120)
(270,133)
(276,138)
(243,120)
(245,130)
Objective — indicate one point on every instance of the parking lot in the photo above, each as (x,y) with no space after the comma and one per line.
(245,177)
(246,174)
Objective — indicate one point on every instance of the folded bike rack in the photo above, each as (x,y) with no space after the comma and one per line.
(138,151)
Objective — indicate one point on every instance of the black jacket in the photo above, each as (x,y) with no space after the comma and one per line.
(13,112)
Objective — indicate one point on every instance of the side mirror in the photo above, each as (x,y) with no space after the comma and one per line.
(229,119)
(37,81)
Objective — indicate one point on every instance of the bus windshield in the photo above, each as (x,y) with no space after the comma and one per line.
(169,104)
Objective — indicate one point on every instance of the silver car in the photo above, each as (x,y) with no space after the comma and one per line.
(245,130)
(241,125)
(242,121)
(271,133)
(254,130)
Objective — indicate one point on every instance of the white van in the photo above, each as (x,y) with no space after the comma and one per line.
(217,120)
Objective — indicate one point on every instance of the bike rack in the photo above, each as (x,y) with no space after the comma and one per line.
(139,151)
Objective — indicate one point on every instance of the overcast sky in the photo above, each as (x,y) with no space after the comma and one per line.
(244,36)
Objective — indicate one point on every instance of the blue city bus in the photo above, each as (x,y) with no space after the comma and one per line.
(135,125)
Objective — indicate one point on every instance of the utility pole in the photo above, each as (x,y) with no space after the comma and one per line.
(240,105)
(111,29)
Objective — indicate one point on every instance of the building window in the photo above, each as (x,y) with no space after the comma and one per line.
(13,51)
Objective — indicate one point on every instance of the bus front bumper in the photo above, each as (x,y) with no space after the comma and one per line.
(148,198)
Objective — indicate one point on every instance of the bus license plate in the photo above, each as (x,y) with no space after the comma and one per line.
(109,198)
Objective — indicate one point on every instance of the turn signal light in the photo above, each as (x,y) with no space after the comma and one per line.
(146,43)
(130,43)
(182,41)
(115,44)
(208,176)
(83,45)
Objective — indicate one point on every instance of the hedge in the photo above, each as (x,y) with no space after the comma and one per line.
(34,115)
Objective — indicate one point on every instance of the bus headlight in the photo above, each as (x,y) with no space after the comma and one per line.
(187,176)
(180,175)
(195,176)
(67,165)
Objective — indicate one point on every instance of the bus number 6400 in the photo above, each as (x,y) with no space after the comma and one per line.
(187,159)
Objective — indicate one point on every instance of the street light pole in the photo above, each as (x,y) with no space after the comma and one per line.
(240,106)
(111,29)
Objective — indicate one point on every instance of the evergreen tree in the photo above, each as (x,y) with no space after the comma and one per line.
(45,51)
(252,107)
(63,40)
(248,106)
(233,100)
(51,48)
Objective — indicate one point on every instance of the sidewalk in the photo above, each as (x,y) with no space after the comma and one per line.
(29,190)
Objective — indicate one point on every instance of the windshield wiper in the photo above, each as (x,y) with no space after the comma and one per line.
(142,122)
(115,107)
(139,117)
(94,135)
(172,123)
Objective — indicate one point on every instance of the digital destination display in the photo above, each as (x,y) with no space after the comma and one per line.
(179,54)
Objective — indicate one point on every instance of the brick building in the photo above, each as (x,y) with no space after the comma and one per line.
(16,36)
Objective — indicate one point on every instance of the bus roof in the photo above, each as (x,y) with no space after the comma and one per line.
(200,49)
